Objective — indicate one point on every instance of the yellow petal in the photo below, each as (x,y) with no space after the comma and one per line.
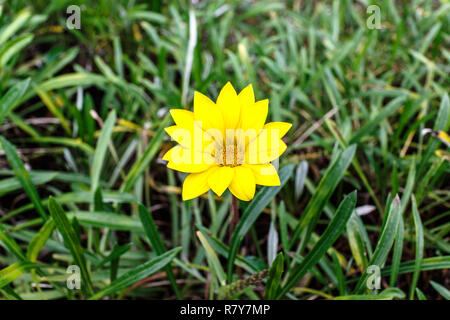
(188,168)
(444,137)
(264,149)
(243,184)
(191,137)
(220,179)
(180,135)
(268,155)
(268,146)
(246,96)
(207,112)
(195,184)
(228,103)
(254,116)
(282,127)
(182,118)
(184,160)
(265,174)
(168,155)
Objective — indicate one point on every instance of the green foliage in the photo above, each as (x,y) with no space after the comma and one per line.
(71,241)
(273,281)
(259,202)
(329,236)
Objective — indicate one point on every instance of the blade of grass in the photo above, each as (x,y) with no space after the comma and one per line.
(434,263)
(385,242)
(38,241)
(443,291)
(138,273)
(273,281)
(14,26)
(72,242)
(369,127)
(442,122)
(420,294)
(116,252)
(107,220)
(334,229)
(300,176)
(397,254)
(387,294)
(54,109)
(11,184)
(339,274)
(272,243)
(9,293)
(9,101)
(213,260)
(8,242)
(254,209)
(157,243)
(13,48)
(356,242)
(327,185)
(152,148)
(100,149)
(283,217)
(23,175)
(15,270)
(419,247)
(66,80)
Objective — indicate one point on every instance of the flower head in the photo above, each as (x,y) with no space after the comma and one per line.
(226,144)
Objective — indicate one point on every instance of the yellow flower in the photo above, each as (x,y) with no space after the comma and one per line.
(226,144)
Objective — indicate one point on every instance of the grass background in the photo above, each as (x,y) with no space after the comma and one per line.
(82,181)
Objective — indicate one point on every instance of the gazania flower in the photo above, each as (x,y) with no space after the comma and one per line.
(226,144)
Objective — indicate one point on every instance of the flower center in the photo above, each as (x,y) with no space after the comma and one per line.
(232,155)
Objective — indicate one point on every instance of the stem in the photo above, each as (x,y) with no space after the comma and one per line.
(234,215)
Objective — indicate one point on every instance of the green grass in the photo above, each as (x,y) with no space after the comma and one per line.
(82,182)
